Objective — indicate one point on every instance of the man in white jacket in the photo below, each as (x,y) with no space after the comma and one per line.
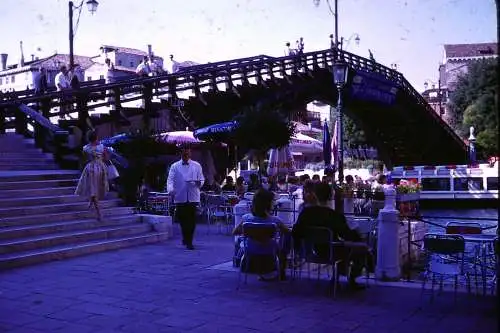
(185,178)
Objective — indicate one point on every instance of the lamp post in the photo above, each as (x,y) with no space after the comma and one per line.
(340,75)
(92,7)
(356,37)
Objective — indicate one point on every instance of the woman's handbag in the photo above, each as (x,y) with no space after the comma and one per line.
(112,172)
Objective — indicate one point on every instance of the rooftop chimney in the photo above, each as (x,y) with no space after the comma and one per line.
(21,62)
(4,60)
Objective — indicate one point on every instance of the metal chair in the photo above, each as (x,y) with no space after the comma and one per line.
(445,258)
(317,247)
(258,241)
(217,209)
(473,253)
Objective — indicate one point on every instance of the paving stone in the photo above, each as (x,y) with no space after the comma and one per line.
(164,288)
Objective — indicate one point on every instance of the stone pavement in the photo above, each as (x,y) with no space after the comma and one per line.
(165,288)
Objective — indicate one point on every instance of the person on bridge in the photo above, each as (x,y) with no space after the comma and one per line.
(185,178)
(41,81)
(173,66)
(63,84)
(143,69)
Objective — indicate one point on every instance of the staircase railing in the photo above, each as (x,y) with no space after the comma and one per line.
(30,123)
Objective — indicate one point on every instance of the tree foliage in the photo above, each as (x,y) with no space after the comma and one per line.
(262,127)
(474,102)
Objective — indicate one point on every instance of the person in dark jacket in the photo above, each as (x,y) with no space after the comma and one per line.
(320,215)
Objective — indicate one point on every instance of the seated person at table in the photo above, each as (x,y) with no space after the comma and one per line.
(262,206)
(308,195)
(211,186)
(240,186)
(321,215)
(229,185)
(254,183)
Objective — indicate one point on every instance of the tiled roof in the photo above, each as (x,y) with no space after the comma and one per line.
(125,50)
(470,50)
(51,63)
(99,66)
(57,60)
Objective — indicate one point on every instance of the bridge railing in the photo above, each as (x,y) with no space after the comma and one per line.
(208,77)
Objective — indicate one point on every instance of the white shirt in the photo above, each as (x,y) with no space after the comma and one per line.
(61,81)
(178,181)
(143,68)
(172,67)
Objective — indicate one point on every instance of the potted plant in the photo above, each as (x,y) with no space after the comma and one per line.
(408,190)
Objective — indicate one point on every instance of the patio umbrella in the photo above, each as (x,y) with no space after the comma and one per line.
(179,137)
(220,131)
(327,143)
(280,161)
(305,144)
(115,139)
(335,146)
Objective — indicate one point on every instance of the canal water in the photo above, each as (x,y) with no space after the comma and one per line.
(486,217)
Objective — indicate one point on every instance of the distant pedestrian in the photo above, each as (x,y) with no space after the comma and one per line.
(300,47)
(74,80)
(173,66)
(143,69)
(40,81)
(185,178)
(63,84)
(288,49)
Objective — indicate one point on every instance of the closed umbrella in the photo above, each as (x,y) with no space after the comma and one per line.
(305,144)
(280,162)
(327,143)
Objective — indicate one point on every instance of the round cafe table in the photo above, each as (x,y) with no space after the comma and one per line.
(482,240)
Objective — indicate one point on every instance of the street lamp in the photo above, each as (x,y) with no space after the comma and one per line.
(340,75)
(92,7)
(357,39)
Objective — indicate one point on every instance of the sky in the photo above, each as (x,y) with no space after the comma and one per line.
(408,33)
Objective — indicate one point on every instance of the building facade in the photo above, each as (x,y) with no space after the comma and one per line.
(21,76)
(124,59)
(456,61)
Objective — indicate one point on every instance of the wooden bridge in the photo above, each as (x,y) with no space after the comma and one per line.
(395,117)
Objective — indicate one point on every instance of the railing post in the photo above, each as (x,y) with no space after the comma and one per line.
(21,122)
(2,120)
(213,82)
(229,81)
(83,113)
(388,266)
(148,105)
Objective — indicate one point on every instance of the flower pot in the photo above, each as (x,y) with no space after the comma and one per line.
(406,197)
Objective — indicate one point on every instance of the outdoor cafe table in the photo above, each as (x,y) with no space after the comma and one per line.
(481,240)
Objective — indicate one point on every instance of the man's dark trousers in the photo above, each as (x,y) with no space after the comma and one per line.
(186,215)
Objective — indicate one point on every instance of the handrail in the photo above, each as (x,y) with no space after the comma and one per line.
(209,75)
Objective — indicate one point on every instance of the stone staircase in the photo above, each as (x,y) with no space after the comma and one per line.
(41,219)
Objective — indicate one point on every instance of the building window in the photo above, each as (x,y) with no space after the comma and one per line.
(6,80)
(13,79)
(119,62)
(1,81)
(131,64)
(89,78)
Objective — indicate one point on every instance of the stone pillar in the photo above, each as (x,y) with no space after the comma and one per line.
(388,268)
